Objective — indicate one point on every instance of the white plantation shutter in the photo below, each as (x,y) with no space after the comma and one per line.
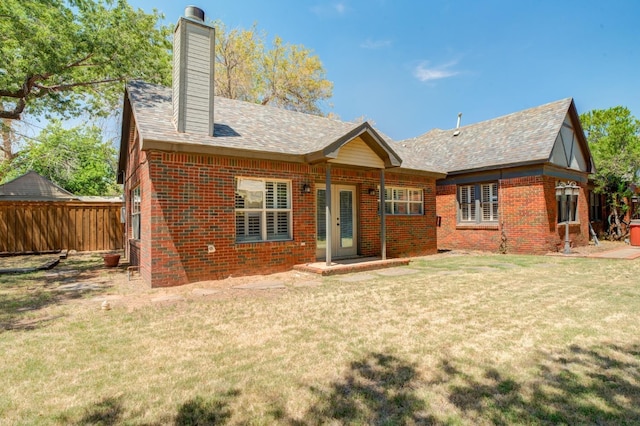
(489,202)
(467,203)
(258,221)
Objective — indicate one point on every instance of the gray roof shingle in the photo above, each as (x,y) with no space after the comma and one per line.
(33,187)
(238,124)
(524,137)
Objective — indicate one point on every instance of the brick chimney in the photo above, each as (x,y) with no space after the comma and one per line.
(193,67)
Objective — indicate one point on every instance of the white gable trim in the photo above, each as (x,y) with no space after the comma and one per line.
(567,151)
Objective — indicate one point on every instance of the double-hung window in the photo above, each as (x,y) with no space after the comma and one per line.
(403,201)
(135,212)
(263,209)
(595,207)
(478,203)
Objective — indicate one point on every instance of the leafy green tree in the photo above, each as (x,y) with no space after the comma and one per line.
(283,75)
(68,56)
(614,140)
(76,159)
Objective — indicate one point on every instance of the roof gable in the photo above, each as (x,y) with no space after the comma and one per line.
(248,129)
(567,150)
(33,187)
(522,138)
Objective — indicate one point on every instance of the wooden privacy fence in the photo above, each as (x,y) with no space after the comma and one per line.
(33,227)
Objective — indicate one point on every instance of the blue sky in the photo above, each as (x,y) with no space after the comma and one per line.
(410,66)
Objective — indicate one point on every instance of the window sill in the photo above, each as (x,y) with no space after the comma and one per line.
(260,242)
(486,226)
(572,223)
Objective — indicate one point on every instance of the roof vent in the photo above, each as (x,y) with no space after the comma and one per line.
(195,13)
(457,132)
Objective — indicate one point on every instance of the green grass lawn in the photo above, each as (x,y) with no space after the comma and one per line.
(460,340)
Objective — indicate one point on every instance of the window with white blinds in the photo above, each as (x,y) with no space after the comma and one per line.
(478,203)
(135,212)
(403,201)
(263,209)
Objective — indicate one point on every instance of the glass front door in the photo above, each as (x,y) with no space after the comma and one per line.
(343,224)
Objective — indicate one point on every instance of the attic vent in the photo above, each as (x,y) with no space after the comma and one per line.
(457,132)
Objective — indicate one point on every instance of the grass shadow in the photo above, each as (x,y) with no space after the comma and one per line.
(579,386)
(202,411)
(378,389)
(109,411)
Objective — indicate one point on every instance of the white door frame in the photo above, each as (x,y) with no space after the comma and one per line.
(341,245)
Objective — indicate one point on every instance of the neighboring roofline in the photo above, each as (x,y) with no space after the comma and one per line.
(6,197)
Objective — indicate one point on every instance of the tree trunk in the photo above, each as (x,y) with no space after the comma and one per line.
(6,133)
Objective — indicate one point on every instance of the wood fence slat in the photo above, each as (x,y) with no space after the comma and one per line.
(4,231)
(44,226)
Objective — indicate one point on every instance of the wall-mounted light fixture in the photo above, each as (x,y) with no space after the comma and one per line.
(372,191)
(306,188)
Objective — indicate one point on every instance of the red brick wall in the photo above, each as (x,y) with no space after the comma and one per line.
(527,213)
(188,202)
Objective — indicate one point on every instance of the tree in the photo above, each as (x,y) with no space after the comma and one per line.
(66,56)
(77,159)
(614,140)
(284,75)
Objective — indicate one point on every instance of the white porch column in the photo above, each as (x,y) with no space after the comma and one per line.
(383,227)
(329,221)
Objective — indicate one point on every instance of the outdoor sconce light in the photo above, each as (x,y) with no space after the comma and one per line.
(566,190)
(306,188)
(372,191)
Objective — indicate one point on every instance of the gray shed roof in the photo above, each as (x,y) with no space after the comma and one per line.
(33,187)
(521,138)
(244,127)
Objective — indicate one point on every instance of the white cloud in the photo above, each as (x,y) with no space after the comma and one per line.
(330,9)
(375,44)
(424,72)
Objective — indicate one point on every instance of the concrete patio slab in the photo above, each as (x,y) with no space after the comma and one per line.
(629,253)
(355,278)
(396,272)
(347,266)
(265,285)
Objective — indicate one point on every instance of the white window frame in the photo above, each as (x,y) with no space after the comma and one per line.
(478,203)
(265,220)
(136,214)
(400,201)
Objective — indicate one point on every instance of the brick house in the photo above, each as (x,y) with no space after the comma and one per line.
(499,193)
(217,187)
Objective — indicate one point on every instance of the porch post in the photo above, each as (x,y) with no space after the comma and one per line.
(327,201)
(383,227)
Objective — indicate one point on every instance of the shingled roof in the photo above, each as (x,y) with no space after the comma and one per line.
(33,187)
(244,128)
(522,138)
